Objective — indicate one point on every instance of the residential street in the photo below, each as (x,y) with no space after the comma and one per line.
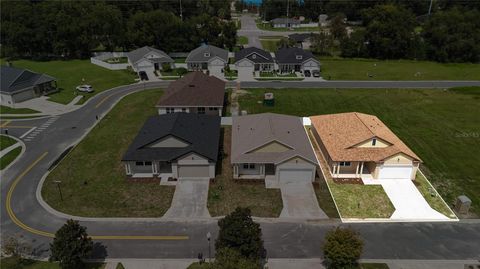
(21,212)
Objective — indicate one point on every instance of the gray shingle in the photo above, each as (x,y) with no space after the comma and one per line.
(198,54)
(136,55)
(14,79)
(262,55)
(289,56)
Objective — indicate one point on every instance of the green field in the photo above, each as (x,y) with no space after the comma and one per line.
(93,177)
(370,69)
(441,126)
(71,73)
(9,110)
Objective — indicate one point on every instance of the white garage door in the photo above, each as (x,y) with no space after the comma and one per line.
(395,172)
(193,171)
(216,71)
(295,175)
(245,72)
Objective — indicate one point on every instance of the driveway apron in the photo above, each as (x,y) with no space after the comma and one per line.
(190,199)
(299,201)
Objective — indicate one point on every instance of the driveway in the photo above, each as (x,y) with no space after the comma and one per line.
(190,199)
(300,201)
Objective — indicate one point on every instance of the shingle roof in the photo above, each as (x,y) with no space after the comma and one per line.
(253,131)
(341,132)
(194,89)
(262,56)
(289,55)
(198,54)
(202,132)
(136,55)
(14,79)
(285,21)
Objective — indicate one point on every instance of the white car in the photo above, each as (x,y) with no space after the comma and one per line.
(85,88)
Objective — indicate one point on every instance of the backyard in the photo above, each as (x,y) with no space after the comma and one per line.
(441,126)
(72,73)
(225,194)
(93,178)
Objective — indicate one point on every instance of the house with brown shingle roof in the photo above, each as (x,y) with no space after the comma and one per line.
(271,145)
(196,92)
(357,145)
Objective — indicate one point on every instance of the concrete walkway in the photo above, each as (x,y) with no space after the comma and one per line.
(46,107)
(300,201)
(190,199)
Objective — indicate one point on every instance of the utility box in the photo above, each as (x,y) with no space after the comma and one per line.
(463,204)
(269,100)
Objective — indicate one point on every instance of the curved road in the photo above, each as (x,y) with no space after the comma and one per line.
(22,214)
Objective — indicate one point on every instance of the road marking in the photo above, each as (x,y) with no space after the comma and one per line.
(4,124)
(29,131)
(102,101)
(25,227)
(19,126)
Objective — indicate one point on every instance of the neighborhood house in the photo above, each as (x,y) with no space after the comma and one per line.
(177,145)
(253,59)
(303,41)
(296,60)
(207,57)
(196,92)
(357,145)
(271,147)
(148,59)
(285,23)
(18,85)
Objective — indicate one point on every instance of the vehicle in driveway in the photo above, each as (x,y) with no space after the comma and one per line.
(85,88)
(143,75)
(307,73)
(316,73)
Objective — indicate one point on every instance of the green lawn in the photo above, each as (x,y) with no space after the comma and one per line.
(6,142)
(242,40)
(92,175)
(370,69)
(18,263)
(9,157)
(270,44)
(9,110)
(179,60)
(441,126)
(71,73)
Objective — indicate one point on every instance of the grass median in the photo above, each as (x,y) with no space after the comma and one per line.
(93,180)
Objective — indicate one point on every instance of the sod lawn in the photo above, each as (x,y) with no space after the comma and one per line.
(9,157)
(225,194)
(441,126)
(6,142)
(72,73)
(14,262)
(9,110)
(370,69)
(93,180)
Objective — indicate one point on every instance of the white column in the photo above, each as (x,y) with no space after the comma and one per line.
(361,169)
(334,169)
(356,170)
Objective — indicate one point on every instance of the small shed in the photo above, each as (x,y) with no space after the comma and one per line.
(463,204)
(268,99)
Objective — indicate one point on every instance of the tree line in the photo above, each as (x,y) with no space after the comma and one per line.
(73,29)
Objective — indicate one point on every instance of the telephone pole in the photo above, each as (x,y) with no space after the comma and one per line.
(181,12)
(288,5)
(430,8)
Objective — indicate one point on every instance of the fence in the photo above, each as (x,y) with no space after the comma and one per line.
(99,59)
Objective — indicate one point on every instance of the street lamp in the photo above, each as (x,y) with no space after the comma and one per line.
(209,248)
(59,189)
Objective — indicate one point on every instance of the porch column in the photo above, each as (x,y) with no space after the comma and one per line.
(361,169)
(356,170)
(334,169)
(338,170)
(127,168)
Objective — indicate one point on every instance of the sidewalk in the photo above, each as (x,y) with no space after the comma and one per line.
(46,107)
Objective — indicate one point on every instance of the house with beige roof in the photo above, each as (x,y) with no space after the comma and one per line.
(271,146)
(357,145)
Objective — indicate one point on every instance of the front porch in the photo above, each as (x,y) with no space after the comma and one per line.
(149,169)
(352,170)
(253,170)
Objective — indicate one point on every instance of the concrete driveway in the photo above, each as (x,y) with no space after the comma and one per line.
(300,201)
(189,199)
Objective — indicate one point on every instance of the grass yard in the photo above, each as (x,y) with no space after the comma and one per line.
(270,45)
(6,142)
(71,73)
(225,194)
(432,197)
(14,262)
(93,178)
(441,126)
(10,157)
(242,40)
(9,110)
(370,69)
(180,60)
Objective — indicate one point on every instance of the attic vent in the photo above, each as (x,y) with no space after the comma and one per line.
(299,57)
(206,54)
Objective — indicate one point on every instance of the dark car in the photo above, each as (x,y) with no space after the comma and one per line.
(316,73)
(143,75)
(307,73)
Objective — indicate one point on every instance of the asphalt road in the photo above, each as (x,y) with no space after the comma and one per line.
(22,214)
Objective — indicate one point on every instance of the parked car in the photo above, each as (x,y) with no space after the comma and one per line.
(316,73)
(143,75)
(307,73)
(85,88)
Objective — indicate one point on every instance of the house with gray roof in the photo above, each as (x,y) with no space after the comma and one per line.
(285,23)
(18,85)
(253,59)
(208,57)
(273,147)
(148,59)
(295,60)
(177,145)
(303,41)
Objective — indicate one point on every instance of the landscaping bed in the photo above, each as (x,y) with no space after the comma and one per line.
(278,76)
(441,126)
(225,194)
(92,175)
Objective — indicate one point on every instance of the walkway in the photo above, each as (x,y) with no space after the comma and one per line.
(190,199)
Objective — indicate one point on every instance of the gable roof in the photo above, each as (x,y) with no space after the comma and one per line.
(285,21)
(194,89)
(265,56)
(198,54)
(202,132)
(138,54)
(253,131)
(299,37)
(341,132)
(14,79)
(289,55)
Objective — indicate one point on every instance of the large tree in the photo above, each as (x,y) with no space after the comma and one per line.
(342,248)
(71,245)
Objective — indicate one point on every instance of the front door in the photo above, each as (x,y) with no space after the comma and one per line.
(156,66)
(164,167)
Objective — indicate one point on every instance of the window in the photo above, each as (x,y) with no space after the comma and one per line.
(139,163)
(245,166)
(184,110)
(143,163)
(344,163)
(148,163)
(252,166)
(210,108)
(206,54)
(201,110)
(374,142)
(249,166)
(170,110)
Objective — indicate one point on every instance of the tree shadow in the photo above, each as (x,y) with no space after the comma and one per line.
(99,251)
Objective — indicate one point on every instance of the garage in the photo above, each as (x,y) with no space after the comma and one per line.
(192,171)
(295,175)
(395,172)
